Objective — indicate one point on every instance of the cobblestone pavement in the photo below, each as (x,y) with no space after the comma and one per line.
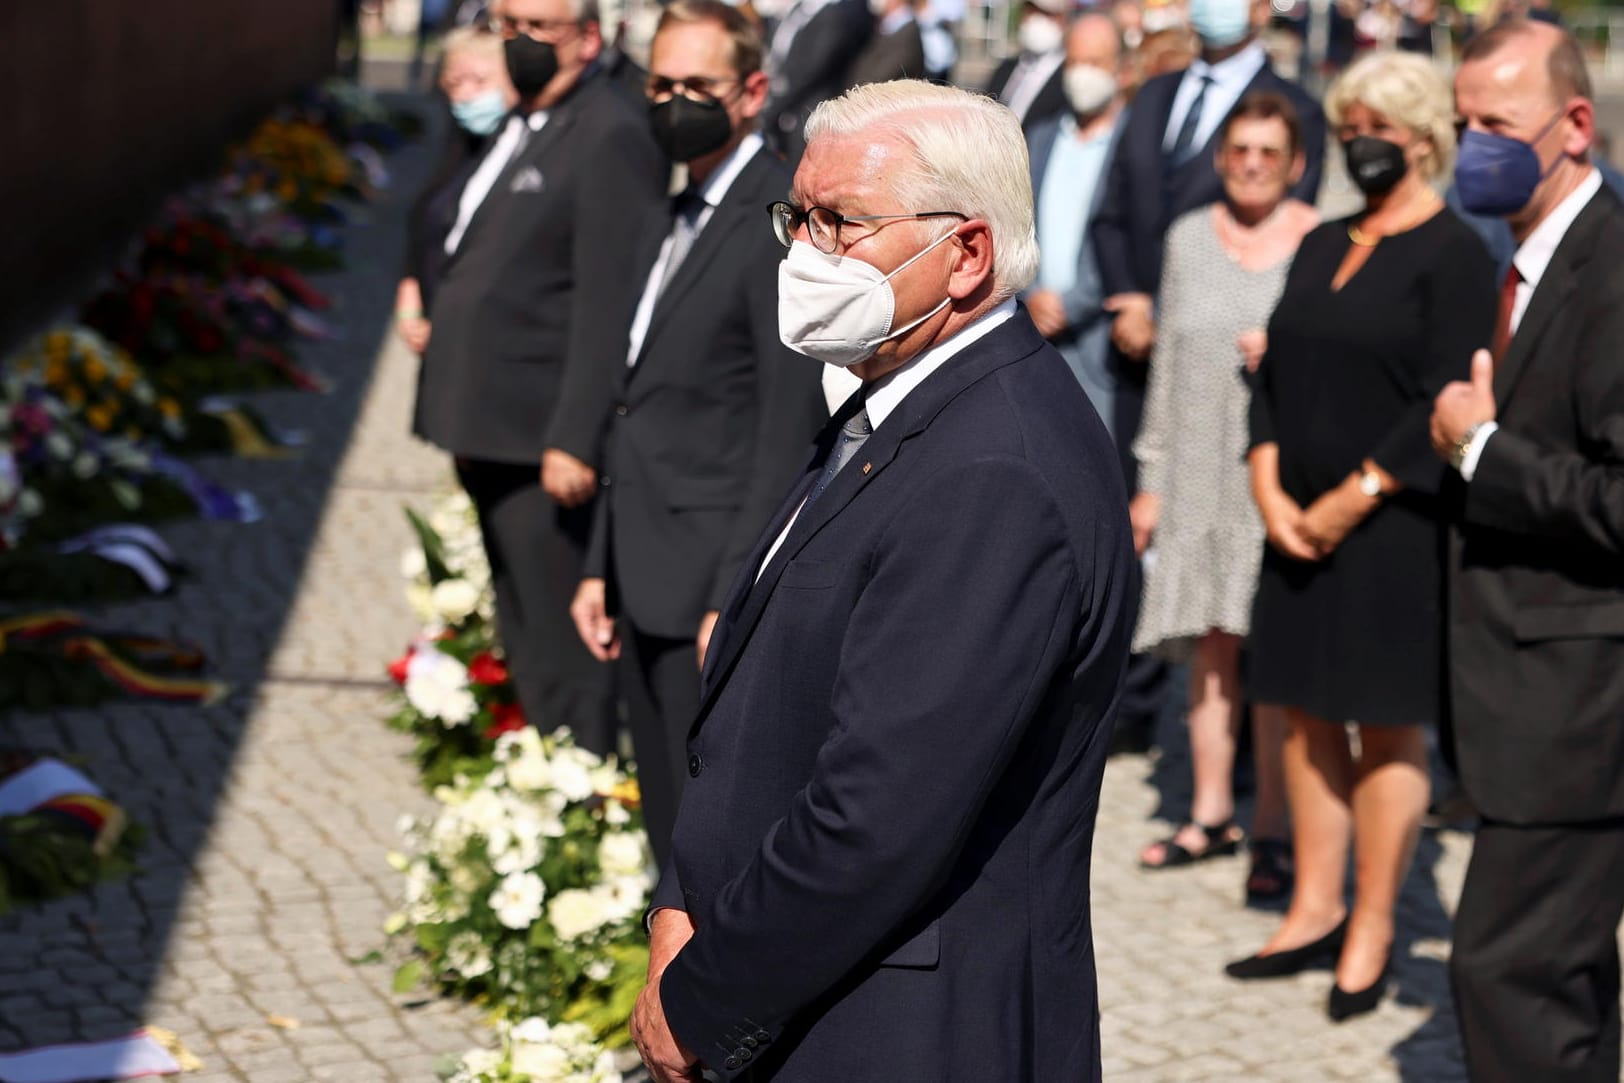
(1170,1014)
(271,813)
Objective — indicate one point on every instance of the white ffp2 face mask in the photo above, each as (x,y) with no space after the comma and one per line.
(838,309)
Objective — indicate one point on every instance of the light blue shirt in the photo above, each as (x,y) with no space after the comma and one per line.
(1069,182)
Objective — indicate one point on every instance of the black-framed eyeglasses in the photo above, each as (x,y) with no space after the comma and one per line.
(539,29)
(698,88)
(823,225)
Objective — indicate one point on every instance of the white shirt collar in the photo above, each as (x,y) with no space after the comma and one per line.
(716,185)
(1235,71)
(887,393)
(1534,254)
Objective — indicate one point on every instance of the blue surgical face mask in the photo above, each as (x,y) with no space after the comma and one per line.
(1221,23)
(481,115)
(1497,175)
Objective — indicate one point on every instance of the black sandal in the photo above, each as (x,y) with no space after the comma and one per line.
(1222,841)
(1273,874)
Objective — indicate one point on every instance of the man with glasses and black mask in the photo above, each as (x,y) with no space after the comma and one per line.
(713,414)
(530,315)
(880,869)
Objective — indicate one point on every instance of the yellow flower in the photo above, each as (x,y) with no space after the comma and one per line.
(56,345)
(169,408)
(56,374)
(100,417)
(287,190)
(95,370)
(74,398)
(125,378)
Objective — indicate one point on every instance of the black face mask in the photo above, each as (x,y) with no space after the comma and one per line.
(686,129)
(1375,165)
(531,64)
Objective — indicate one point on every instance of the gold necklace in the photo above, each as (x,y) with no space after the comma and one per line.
(1364,240)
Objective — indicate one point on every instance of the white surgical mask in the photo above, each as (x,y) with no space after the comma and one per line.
(838,309)
(1089,89)
(1040,34)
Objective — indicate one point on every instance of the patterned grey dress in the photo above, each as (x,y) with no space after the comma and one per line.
(1193,441)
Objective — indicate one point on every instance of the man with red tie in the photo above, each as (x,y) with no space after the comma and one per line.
(1536,632)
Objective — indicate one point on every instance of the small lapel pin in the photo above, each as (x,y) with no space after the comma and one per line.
(867,467)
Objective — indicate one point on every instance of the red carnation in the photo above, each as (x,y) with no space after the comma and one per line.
(397,668)
(509,718)
(486,668)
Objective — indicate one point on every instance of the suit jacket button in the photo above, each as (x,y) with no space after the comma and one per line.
(621,409)
(749,1040)
(730,1063)
(742,1054)
(763,1037)
(695,765)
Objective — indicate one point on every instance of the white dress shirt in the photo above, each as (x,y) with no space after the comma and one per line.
(711,191)
(490,167)
(887,393)
(1230,78)
(1032,73)
(1533,256)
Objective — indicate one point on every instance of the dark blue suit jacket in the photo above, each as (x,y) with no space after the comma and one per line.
(1145,193)
(896,766)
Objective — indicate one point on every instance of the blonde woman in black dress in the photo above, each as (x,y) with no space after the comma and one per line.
(1379,312)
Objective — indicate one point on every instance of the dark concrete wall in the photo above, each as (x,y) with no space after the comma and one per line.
(107,105)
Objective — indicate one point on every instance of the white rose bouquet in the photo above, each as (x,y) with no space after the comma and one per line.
(526,890)
(456,696)
(535,1051)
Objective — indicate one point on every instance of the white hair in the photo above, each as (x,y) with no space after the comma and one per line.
(969,156)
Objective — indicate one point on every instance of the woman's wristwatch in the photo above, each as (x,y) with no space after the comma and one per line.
(1370,481)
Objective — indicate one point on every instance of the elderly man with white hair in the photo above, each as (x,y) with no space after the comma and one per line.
(880,869)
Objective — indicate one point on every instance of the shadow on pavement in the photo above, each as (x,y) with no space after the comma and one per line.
(85,967)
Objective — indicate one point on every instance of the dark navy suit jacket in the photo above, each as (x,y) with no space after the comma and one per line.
(884,842)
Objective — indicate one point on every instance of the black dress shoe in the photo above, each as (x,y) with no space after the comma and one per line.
(1282,964)
(1345,1005)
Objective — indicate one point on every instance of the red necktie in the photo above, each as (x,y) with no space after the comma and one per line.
(1508,302)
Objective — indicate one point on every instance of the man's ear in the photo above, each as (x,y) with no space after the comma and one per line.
(973,262)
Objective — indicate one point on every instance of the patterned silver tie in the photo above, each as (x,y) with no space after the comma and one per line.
(852,434)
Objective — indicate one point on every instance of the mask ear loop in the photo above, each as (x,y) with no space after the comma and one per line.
(1543,132)
(903,330)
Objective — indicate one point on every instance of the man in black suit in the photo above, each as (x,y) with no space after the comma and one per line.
(896,51)
(881,865)
(1536,627)
(1030,82)
(810,50)
(713,413)
(530,315)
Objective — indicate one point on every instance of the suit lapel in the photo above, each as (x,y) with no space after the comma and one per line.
(1555,285)
(734,211)
(530,154)
(1016,340)
(654,233)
